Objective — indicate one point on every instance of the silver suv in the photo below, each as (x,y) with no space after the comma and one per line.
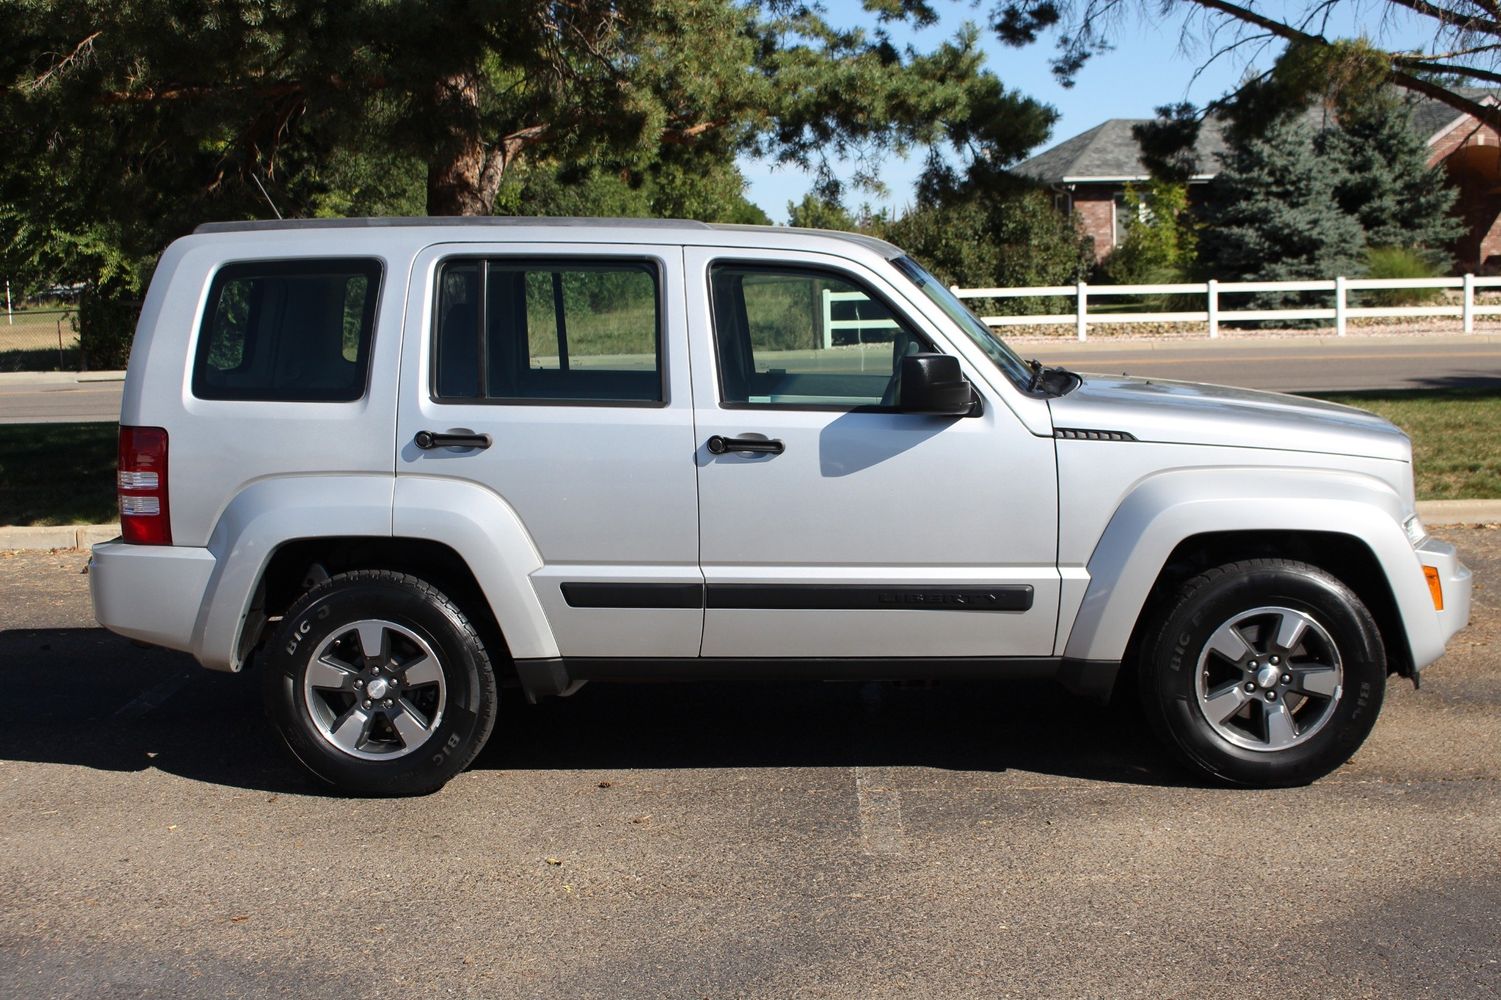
(399,461)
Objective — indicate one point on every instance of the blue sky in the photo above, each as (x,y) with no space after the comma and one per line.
(1150,66)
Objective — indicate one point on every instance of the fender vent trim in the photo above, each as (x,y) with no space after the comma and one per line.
(1080,434)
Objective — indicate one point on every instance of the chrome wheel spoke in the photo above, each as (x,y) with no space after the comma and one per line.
(1319,680)
(352,729)
(1229,643)
(409,724)
(373,641)
(328,674)
(1281,731)
(424,670)
(1290,629)
(1224,702)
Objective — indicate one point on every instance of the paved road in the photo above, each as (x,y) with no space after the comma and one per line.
(831,841)
(56,399)
(1307,364)
(1291,365)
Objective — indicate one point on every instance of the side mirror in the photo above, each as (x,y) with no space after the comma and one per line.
(932,383)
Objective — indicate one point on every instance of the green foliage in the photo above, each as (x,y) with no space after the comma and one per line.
(1384,180)
(816,212)
(1272,214)
(714,191)
(1399,262)
(129,123)
(106,325)
(995,238)
(1291,203)
(1161,241)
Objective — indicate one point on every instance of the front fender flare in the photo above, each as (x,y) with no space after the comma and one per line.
(1166,509)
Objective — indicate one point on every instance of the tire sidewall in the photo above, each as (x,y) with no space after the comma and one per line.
(470,688)
(1300,588)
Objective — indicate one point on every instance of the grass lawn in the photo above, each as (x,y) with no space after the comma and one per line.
(58,473)
(65,473)
(1456,437)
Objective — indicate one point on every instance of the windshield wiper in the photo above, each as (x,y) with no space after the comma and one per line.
(1053,381)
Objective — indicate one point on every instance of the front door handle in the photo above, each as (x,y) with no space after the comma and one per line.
(760,446)
(428,440)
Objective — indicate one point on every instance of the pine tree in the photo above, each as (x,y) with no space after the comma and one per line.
(1272,213)
(1386,183)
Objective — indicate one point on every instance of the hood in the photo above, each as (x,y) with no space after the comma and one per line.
(1190,413)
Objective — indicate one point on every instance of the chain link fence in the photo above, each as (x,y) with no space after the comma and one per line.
(39,339)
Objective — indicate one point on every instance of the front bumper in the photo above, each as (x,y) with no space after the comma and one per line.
(153,593)
(1456,582)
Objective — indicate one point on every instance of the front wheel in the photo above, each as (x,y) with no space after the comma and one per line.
(1266,673)
(379,685)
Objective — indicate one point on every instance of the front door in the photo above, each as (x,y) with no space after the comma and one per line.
(830,523)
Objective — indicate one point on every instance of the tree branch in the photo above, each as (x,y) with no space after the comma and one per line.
(1423,66)
(1452,20)
(1488,114)
(80,51)
(1416,57)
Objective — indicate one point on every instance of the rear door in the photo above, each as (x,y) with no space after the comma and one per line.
(573,361)
(854,530)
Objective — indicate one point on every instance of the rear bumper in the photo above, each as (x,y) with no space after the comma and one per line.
(153,593)
(1456,582)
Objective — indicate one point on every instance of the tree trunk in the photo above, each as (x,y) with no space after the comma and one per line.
(463,176)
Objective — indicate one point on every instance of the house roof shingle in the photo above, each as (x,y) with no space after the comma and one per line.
(1109,152)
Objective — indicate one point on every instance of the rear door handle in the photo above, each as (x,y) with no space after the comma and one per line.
(761,446)
(428,440)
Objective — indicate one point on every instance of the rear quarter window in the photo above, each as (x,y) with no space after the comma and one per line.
(291,330)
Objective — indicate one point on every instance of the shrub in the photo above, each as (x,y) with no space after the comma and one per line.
(1400,262)
(106,326)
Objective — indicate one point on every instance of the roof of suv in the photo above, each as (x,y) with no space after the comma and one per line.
(495,221)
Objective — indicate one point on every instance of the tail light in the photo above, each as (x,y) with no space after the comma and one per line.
(144,517)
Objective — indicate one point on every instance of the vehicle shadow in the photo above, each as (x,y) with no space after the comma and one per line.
(87,698)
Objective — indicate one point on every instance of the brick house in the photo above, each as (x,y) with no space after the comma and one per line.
(1089,173)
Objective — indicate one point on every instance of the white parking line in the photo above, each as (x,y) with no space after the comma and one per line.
(880,807)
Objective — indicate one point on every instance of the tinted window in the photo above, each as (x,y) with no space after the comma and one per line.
(288,330)
(552,330)
(804,338)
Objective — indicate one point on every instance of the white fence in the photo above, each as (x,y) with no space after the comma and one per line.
(858,324)
(1212,314)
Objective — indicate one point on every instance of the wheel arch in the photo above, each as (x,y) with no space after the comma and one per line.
(275,530)
(1347,524)
(1345,557)
(299,564)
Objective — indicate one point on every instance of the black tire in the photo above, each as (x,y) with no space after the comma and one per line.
(1276,733)
(389,746)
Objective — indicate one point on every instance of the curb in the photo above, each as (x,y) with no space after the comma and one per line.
(1438,512)
(66,536)
(80,536)
(59,378)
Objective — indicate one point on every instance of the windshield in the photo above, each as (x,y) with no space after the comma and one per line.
(994,347)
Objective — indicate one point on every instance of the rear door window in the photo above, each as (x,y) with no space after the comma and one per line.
(562,331)
(288,331)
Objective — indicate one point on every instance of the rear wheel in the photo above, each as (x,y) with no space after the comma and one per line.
(1265,672)
(379,685)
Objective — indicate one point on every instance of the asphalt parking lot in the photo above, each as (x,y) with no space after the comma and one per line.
(818,840)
